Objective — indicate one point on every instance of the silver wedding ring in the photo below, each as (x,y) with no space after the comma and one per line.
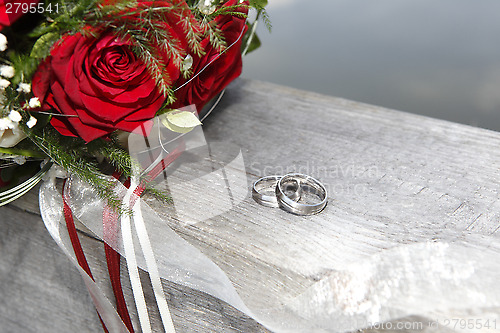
(292,193)
(306,184)
(268,184)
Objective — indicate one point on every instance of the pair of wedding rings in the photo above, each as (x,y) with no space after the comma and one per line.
(288,190)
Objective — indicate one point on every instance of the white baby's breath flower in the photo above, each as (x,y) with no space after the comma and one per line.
(7,71)
(34,103)
(15,116)
(6,123)
(32,122)
(24,87)
(4,83)
(3,42)
(10,133)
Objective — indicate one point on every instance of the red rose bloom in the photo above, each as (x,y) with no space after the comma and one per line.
(102,82)
(10,11)
(223,68)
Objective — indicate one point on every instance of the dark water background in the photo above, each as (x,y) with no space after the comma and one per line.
(436,58)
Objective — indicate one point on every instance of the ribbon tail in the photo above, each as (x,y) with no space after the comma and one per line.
(128,244)
(51,207)
(75,241)
(113,262)
(152,267)
(110,229)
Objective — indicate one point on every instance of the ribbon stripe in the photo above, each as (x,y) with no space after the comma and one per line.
(152,268)
(52,210)
(73,235)
(110,228)
(75,241)
(113,262)
(128,243)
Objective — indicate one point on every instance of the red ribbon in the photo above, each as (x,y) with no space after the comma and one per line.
(110,224)
(75,241)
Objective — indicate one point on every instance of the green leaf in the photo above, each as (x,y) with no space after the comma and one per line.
(258,3)
(25,148)
(180,121)
(42,46)
(23,152)
(254,43)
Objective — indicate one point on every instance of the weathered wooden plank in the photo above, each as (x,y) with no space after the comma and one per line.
(393,179)
(41,292)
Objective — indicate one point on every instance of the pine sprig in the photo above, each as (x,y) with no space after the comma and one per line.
(69,18)
(215,35)
(62,151)
(264,16)
(234,10)
(194,33)
(67,153)
(160,195)
(112,152)
(152,42)
(167,43)
(155,65)
(25,66)
(155,40)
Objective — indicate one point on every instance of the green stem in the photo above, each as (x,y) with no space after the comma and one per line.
(23,152)
(253,27)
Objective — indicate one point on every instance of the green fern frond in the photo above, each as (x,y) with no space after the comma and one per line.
(231,10)
(264,16)
(215,36)
(194,33)
(51,143)
(160,195)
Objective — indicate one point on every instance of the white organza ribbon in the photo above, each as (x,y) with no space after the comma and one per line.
(149,257)
(133,271)
(51,208)
(427,279)
(388,286)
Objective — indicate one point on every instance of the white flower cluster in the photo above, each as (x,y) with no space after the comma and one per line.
(7,71)
(3,42)
(10,133)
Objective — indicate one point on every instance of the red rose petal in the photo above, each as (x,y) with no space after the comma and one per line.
(104,83)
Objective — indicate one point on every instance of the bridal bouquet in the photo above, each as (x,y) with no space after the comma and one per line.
(77,75)
(77,78)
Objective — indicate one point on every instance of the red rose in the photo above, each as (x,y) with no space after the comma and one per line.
(222,68)
(102,82)
(11,10)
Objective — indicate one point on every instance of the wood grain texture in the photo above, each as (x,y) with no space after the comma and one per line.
(393,178)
